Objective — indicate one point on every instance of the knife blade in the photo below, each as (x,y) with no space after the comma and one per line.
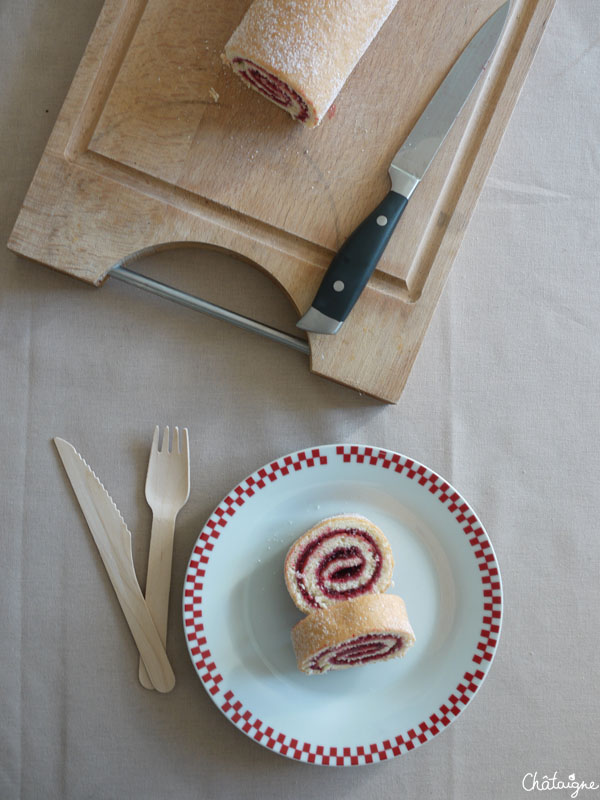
(356,260)
(113,539)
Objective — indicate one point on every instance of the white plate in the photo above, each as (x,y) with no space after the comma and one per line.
(238,615)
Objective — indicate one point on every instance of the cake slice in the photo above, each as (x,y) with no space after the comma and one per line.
(363,630)
(339,558)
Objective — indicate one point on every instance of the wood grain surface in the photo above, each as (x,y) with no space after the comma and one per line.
(158,144)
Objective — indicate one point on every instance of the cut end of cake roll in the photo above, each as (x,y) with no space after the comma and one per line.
(361,631)
(342,557)
(274,88)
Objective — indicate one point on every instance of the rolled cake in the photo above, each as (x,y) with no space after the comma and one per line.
(373,627)
(341,557)
(299,53)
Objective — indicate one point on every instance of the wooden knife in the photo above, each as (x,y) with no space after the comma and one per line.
(113,540)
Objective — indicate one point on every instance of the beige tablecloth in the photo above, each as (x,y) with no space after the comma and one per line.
(503,401)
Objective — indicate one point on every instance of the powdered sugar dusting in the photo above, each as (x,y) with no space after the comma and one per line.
(313,45)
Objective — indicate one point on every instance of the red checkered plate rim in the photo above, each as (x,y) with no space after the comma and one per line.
(441,515)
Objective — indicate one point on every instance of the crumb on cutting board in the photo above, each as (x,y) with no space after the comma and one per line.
(214,94)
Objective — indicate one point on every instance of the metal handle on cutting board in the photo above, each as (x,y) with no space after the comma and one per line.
(205,307)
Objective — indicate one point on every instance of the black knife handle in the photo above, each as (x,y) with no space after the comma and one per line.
(357,258)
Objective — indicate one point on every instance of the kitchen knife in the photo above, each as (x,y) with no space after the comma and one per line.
(113,540)
(354,263)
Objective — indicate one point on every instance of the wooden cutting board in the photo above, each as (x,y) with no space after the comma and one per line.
(158,144)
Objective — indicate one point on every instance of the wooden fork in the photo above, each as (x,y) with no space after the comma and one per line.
(167,491)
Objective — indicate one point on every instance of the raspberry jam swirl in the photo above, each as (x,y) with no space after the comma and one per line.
(337,564)
(359,650)
(272,87)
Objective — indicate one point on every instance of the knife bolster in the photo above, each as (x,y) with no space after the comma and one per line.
(403,182)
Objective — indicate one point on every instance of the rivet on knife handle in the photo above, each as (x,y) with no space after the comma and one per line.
(350,269)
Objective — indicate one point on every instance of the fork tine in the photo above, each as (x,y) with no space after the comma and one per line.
(154,447)
(175,448)
(165,441)
(185,443)
(185,452)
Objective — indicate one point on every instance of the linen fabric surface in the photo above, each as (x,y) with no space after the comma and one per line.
(503,401)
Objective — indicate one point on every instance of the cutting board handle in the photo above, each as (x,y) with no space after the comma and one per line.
(205,307)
